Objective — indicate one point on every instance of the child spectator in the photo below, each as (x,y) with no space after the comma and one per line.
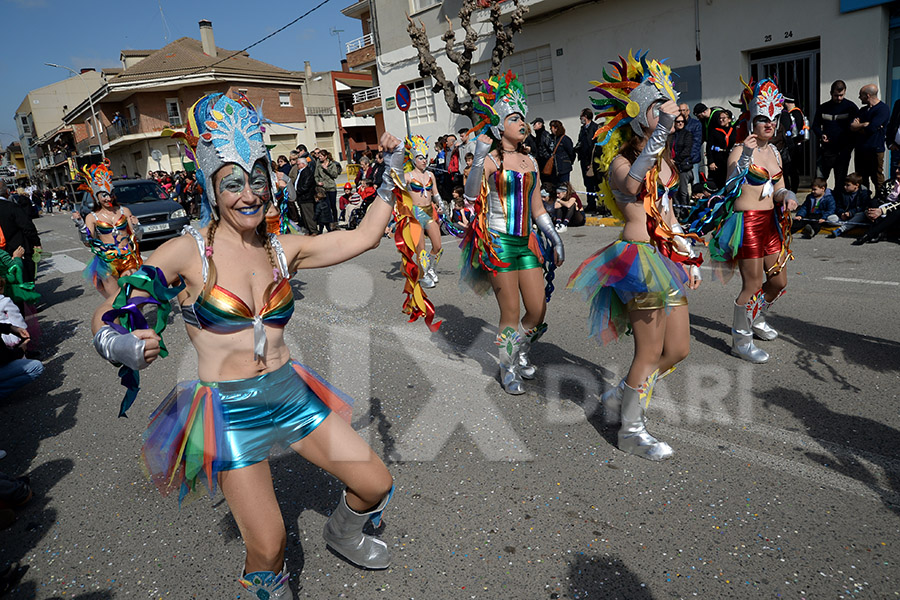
(567,208)
(855,200)
(469,158)
(350,198)
(818,209)
(323,212)
(462,213)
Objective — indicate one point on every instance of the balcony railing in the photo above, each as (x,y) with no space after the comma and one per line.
(360,43)
(369,94)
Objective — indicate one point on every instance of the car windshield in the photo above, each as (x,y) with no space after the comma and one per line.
(139,191)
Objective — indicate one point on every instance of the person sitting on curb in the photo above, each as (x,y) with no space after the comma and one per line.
(855,201)
(818,210)
(886,216)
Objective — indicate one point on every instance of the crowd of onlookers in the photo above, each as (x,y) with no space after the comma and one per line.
(841,129)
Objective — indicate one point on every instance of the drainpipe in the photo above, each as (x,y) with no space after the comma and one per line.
(697,29)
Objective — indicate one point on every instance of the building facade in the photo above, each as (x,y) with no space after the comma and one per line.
(565,44)
(155,89)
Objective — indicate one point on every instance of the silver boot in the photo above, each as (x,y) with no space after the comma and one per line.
(528,337)
(742,334)
(266,585)
(433,261)
(761,328)
(633,435)
(425,269)
(343,532)
(509,344)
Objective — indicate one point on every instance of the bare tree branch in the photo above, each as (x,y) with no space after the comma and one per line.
(503,47)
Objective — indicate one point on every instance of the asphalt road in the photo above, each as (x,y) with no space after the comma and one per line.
(785,482)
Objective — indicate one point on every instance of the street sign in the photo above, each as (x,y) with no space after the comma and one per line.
(156,155)
(403,97)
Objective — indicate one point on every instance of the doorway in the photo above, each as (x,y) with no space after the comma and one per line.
(796,70)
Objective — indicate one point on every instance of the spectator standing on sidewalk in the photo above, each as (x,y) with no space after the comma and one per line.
(832,126)
(327,171)
(538,143)
(584,150)
(870,126)
(682,145)
(693,125)
(18,230)
(563,154)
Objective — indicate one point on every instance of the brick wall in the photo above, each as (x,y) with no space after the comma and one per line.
(268,96)
(361,56)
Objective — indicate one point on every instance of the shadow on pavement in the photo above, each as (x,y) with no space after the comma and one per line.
(604,577)
(854,433)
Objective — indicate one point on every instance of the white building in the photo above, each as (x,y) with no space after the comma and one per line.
(709,43)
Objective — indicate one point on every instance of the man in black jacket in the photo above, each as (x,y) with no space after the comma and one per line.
(584,150)
(832,126)
(305,184)
(539,142)
(18,230)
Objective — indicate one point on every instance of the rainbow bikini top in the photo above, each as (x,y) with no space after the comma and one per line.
(107,228)
(221,311)
(416,185)
(757,175)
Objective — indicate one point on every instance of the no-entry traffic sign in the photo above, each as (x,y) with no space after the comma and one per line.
(403,97)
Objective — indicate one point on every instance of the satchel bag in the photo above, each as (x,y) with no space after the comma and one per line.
(548,166)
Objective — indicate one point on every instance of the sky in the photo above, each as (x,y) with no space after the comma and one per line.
(92,35)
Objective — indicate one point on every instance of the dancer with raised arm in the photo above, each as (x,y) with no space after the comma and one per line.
(751,221)
(500,251)
(638,284)
(236,299)
(423,190)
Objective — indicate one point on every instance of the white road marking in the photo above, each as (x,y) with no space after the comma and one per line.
(69,250)
(868,281)
(62,263)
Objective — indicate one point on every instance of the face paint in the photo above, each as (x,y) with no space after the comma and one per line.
(259,181)
(233,182)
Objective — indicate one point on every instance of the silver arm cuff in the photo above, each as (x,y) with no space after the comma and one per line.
(476,172)
(120,349)
(745,159)
(684,246)
(545,224)
(653,148)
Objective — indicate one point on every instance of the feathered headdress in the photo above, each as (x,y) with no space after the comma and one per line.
(96,179)
(625,95)
(498,98)
(760,99)
(414,146)
(221,130)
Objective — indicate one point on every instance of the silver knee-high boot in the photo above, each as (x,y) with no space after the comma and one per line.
(425,269)
(633,435)
(343,532)
(761,328)
(266,585)
(528,337)
(509,343)
(612,398)
(742,334)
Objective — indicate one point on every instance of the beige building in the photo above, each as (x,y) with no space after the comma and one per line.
(43,109)
(709,43)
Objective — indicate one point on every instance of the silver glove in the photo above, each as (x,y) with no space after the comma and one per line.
(785,195)
(120,348)
(394,159)
(473,183)
(545,224)
(83,232)
(745,159)
(684,246)
(653,148)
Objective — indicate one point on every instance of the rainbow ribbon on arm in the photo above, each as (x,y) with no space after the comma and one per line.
(126,316)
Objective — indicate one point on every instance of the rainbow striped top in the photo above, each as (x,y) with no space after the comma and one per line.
(759,176)
(509,201)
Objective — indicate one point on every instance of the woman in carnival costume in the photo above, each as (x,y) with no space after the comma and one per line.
(109,231)
(250,394)
(638,284)
(422,187)
(500,251)
(751,221)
